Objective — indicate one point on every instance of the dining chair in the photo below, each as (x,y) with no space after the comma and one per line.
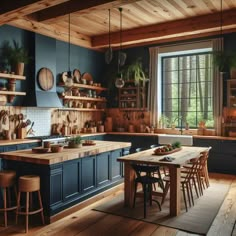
(144,176)
(186,184)
(201,175)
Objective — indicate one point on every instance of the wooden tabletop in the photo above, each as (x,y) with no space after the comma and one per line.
(66,154)
(180,157)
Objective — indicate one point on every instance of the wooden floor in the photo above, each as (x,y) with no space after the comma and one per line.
(87,222)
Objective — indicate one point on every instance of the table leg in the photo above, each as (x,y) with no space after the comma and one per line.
(129,185)
(175,196)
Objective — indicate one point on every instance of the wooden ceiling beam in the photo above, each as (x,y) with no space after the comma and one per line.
(53,32)
(83,7)
(14,9)
(152,32)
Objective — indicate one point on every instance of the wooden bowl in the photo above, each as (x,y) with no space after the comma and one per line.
(56,148)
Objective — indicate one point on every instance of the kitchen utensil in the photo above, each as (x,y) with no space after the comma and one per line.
(31,128)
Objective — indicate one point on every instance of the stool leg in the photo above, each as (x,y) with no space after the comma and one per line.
(17,206)
(27,212)
(41,206)
(144,199)
(5,206)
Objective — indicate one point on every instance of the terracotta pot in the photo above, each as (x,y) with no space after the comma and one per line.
(74,145)
(19,68)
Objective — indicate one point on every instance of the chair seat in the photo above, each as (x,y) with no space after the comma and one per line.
(147,180)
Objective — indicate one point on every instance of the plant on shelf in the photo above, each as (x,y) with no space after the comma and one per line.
(16,56)
(224,60)
(134,71)
(75,141)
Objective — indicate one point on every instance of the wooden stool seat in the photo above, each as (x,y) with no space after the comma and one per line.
(28,184)
(7,181)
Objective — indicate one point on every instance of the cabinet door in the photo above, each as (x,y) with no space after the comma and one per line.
(56,188)
(88,173)
(116,167)
(71,179)
(103,168)
(10,148)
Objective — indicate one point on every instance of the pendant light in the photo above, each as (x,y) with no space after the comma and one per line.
(108,53)
(119,83)
(69,80)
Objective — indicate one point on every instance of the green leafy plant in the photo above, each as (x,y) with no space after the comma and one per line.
(75,139)
(14,54)
(134,71)
(176,144)
(18,54)
(224,60)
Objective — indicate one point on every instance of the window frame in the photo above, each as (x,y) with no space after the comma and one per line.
(179,70)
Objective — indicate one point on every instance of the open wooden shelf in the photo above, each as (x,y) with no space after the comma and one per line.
(12,76)
(85,86)
(80,109)
(85,98)
(12,93)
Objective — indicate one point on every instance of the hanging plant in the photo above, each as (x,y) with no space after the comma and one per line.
(224,60)
(135,72)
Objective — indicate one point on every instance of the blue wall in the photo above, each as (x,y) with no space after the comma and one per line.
(50,53)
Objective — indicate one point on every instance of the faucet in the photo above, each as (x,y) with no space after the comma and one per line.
(181,124)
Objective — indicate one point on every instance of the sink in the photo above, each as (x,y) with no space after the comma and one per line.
(186,140)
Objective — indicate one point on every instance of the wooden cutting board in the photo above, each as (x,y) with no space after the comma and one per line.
(45,79)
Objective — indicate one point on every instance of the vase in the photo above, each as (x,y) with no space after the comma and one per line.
(18,68)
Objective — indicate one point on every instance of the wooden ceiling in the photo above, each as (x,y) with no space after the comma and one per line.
(143,21)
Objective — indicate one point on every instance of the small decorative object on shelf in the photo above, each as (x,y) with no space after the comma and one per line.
(10,93)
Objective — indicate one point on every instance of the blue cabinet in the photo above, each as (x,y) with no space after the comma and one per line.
(71,179)
(222,157)
(71,182)
(103,168)
(56,184)
(143,142)
(116,167)
(88,173)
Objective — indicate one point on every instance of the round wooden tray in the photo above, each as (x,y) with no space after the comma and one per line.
(166,153)
(77,75)
(45,79)
(87,76)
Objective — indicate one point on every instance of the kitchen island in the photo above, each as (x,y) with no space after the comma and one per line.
(71,176)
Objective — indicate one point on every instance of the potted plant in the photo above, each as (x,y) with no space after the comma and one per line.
(226,61)
(134,71)
(75,142)
(16,56)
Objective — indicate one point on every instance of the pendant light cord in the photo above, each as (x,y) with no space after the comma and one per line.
(221,24)
(69,46)
(109,28)
(120,9)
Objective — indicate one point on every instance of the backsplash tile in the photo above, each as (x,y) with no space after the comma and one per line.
(41,118)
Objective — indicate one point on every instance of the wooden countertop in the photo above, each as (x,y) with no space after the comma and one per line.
(18,141)
(66,155)
(156,134)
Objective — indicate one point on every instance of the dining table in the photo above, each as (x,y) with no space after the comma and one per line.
(173,160)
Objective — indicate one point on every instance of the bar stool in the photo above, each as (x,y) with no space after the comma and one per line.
(7,181)
(29,184)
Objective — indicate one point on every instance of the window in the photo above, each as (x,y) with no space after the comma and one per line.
(187,89)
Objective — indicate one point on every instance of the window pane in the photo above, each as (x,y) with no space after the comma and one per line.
(170,64)
(170,77)
(187,89)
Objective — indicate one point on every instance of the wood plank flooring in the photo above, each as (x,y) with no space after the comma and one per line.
(87,222)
